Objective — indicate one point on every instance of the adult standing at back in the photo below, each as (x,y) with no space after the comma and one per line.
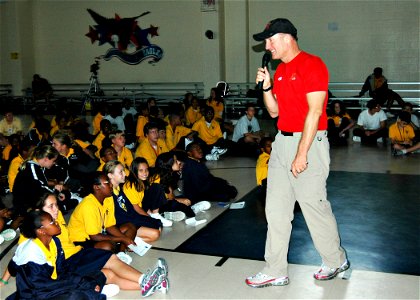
(299,162)
(377,86)
(41,89)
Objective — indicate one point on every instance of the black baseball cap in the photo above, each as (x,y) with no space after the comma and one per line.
(279,25)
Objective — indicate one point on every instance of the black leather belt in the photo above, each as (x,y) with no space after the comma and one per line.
(286,133)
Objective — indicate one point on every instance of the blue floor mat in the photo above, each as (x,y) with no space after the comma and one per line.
(378,216)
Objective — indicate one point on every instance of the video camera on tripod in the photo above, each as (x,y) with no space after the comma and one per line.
(94,68)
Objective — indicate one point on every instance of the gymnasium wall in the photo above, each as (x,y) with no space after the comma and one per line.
(352,37)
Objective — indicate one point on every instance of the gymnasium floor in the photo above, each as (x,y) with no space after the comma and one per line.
(197,276)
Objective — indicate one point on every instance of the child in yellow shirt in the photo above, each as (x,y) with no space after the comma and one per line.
(261,169)
(401,133)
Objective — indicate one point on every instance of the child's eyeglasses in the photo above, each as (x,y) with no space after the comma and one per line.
(51,223)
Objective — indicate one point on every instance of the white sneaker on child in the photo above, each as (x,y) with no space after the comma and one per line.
(76,196)
(194,222)
(213,156)
(130,146)
(175,216)
(187,142)
(110,290)
(218,150)
(124,257)
(165,222)
(200,206)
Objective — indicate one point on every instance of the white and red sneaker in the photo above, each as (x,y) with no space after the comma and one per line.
(327,273)
(261,280)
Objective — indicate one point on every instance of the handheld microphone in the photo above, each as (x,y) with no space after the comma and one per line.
(265,60)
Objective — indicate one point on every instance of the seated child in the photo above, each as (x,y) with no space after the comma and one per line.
(40,266)
(261,169)
(401,133)
(142,120)
(339,124)
(176,208)
(209,131)
(25,148)
(105,130)
(152,145)
(145,197)
(93,224)
(124,154)
(6,215)
(85,261)
(107,154)
(148,229)
(199,183)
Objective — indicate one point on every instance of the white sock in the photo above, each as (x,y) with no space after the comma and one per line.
(141,279)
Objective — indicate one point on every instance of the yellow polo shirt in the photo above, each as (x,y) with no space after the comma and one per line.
(126,158)
(96,123)
(136,198)
(98,143)
(261,170)
(90,217)
(209,134)
(401,135)
(337,119)
(172,138)
(148,152)
(68,247)
(6,152)
(13,170)
(141,121)
(192,115)
(82,143)
(218,108)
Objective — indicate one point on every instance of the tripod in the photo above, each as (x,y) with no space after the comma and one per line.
(94,90)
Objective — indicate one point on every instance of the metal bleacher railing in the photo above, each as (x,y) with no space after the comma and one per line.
(348,91)
(111,92)
(240,93)
(6,90)
(134,91)
(344,91)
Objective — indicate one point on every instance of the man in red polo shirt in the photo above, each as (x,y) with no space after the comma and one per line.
(299,162)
